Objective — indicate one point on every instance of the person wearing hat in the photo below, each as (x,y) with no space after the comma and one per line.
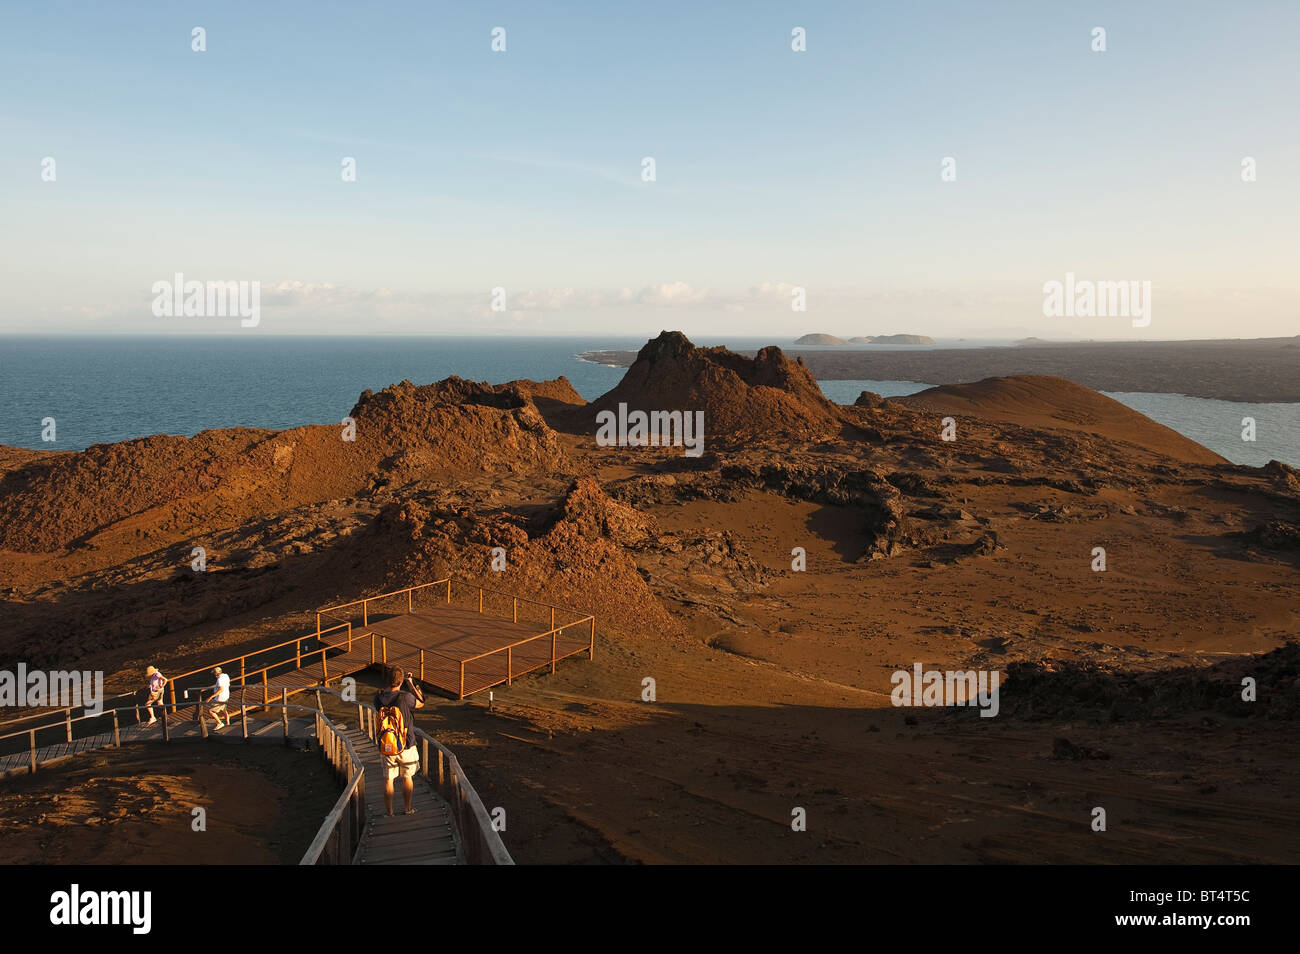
(220,696)
(157,683)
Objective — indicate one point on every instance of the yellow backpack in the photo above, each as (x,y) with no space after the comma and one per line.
(392,730)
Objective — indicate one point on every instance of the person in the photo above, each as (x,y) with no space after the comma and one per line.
(396,706)
(154,693)
(220,695)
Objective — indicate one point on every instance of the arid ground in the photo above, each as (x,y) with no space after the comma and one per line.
(772,683)
(262,805)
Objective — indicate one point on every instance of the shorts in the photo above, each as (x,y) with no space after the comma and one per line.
(404,764)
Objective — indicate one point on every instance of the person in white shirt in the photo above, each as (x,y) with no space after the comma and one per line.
(220,696)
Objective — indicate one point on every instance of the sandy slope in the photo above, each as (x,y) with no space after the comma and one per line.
(1047,403)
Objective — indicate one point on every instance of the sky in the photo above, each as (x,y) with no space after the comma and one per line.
(776,170)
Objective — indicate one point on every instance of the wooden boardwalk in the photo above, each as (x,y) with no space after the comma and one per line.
(454,650)
(426,838)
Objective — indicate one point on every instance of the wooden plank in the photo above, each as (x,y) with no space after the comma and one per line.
(431,835)
(406,851)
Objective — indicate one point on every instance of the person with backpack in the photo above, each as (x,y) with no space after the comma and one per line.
(396,736)
(154,693)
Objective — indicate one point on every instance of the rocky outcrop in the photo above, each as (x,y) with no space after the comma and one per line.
(767,396)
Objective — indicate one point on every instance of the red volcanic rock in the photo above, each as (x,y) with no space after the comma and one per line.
(767,396)
(559,389)
(574,555)
(172,485)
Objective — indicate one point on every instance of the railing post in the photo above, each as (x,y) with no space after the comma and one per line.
(241,670)
(349,637)
(172,684)
(324,666)
(372,649)
(462,679)
(67,722)
(361,795)
(424,761)
(552,617)
(297,652)
(318,625)
(345,839)
(516,610)
(383,644)
(421,665)
(591,646)
(243,718)
(365,612)
(284,711)
(448,591)
(408,601)
(31,750)
(509,663)
(480,599)
(265,698)
(552,648)
(117,738)
(167,732)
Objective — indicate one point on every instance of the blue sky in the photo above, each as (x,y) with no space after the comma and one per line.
(522,169)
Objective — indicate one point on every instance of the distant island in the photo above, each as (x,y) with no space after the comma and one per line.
(820,340)
(824,339)
(1260,370)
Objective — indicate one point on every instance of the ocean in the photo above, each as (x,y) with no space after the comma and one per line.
(114,388)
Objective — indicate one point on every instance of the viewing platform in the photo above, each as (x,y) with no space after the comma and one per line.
(451,635)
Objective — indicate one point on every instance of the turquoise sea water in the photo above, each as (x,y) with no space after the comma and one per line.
(103,389)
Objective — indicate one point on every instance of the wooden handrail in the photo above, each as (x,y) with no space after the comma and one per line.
(170,686)
(264,649)
(448,580)
(381,596)
(333,742)
(456,788)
